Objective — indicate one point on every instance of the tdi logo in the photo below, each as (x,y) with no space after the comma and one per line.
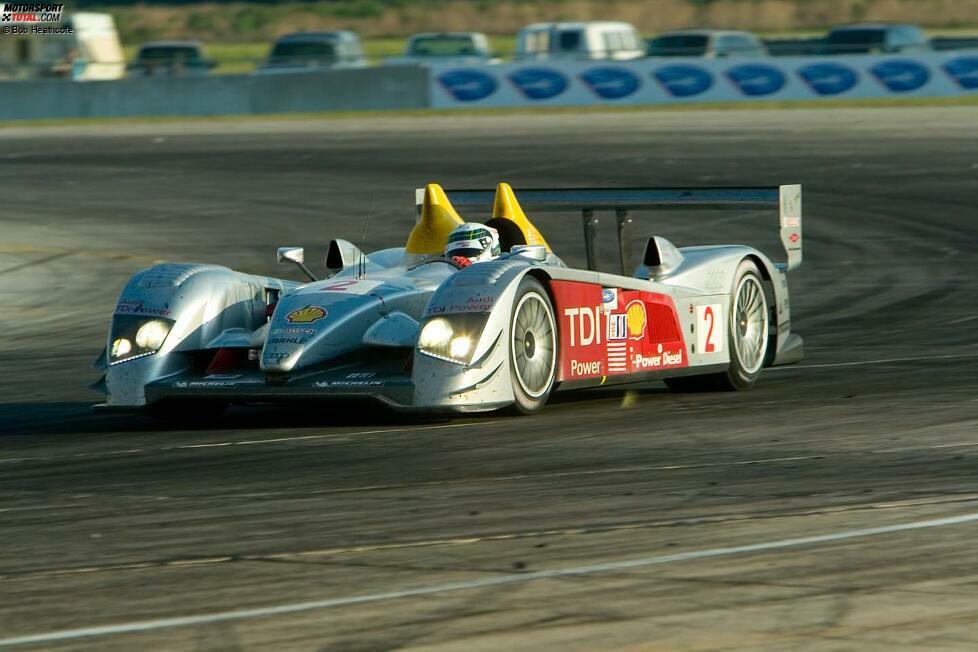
(583,323)
(592,368)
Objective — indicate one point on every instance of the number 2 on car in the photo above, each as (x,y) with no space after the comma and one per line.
(709,328)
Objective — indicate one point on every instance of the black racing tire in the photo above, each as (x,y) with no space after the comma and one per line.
(533,354)
(748,321)
(187,411)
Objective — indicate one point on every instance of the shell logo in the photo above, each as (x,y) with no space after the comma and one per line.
(306,315)
(636,319)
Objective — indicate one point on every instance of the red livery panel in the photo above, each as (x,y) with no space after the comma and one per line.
(613,332)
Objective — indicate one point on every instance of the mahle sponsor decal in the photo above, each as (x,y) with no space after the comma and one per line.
(306,315)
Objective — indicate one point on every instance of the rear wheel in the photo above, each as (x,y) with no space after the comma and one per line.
(747,337)
(532,347)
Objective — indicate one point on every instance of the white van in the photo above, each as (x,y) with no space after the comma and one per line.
(590,40)
(92,52)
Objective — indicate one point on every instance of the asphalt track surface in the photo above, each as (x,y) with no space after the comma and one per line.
(832,508)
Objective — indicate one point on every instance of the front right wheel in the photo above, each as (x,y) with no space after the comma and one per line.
(532,347)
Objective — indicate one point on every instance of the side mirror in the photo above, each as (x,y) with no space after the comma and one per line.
(295,255)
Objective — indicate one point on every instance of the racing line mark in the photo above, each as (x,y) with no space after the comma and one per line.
(488,582)
(39,261)
(951,356)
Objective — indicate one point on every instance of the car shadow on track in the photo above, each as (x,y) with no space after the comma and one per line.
(54,418)
(78,417)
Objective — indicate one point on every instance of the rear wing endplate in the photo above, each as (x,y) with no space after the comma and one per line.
(621,201)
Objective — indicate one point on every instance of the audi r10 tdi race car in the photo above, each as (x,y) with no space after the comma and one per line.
(415,329)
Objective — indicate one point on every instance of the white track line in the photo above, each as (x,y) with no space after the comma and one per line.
(330,603)
(872,362)
(963,319)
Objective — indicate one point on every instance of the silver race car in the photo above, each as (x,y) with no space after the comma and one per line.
(415,330)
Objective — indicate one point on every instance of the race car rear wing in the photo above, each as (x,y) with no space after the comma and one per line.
(787,199)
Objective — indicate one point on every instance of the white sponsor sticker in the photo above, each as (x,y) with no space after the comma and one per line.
(709,328)
(351,286)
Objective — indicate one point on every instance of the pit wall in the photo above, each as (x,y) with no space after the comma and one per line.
(687,80)
(335,90)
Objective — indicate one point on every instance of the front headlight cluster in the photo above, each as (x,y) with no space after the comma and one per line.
(452,337)
(134,337)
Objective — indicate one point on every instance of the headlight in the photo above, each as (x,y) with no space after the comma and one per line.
(121,348)
(452,337)
(151,334)
(436,333)
(134,337)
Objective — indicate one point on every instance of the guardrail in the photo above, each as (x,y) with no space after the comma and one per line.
(333,90)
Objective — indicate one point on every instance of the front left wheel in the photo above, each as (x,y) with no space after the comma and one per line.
(532,347)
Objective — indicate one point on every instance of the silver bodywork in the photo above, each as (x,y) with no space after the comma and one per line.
(236,337)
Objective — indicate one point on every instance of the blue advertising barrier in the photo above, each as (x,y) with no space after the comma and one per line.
(670,81)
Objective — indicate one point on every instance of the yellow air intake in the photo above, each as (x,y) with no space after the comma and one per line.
(430,235)
(505,207)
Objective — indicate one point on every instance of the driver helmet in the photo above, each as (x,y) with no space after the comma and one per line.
(474,242)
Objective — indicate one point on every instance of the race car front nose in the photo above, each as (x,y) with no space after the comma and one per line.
(481,385)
